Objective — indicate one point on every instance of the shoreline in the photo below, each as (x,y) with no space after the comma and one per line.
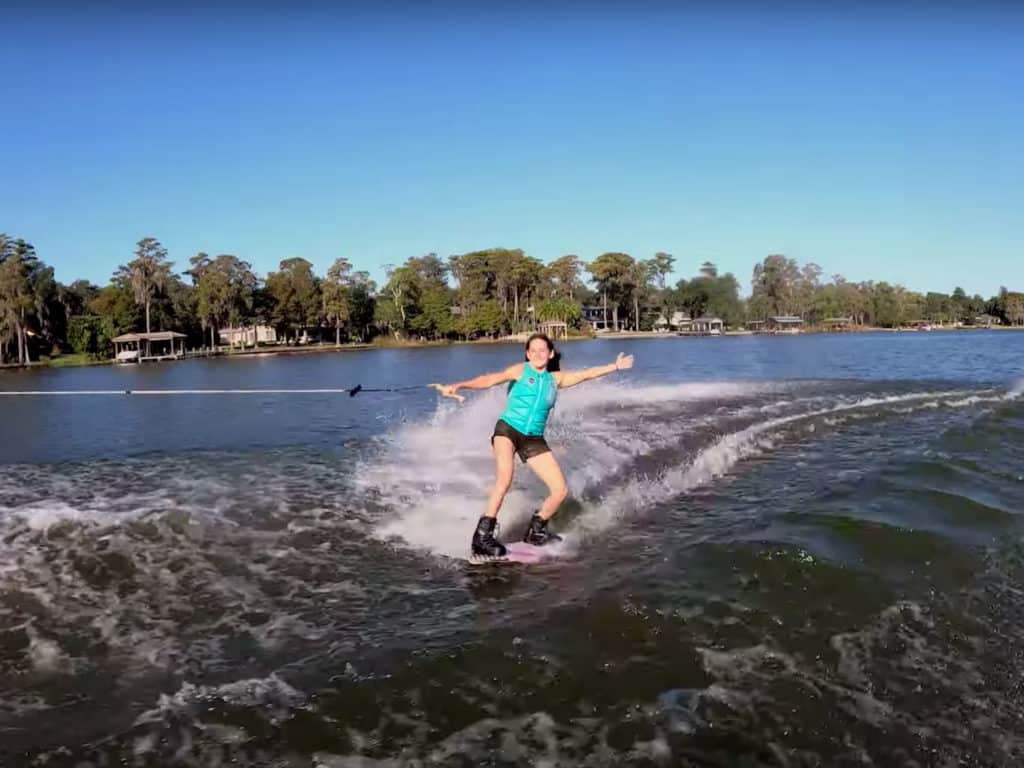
(803,332)
(79,361)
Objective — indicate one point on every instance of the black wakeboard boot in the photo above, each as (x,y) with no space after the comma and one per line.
(537,532)
(485,545)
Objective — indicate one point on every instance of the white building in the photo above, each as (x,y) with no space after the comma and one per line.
(248,336)
(680,321)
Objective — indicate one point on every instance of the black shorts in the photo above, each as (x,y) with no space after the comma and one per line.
(527,446)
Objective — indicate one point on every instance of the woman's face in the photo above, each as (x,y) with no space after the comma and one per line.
(538,354)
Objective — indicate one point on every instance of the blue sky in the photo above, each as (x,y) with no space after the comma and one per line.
(879,143)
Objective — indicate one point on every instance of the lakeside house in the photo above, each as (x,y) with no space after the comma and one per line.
(708,325)
(145,347)
(786,324)
(680,321)
(780,324)
(777,324)
(251,335)
(839,323)
(599,319)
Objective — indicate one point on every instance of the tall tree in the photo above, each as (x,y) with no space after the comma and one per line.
(711,294)
(614,274)
(889,305)
(336,296)
(850,300)
(15,297)
(693,296)
(147,274)
(429,269)
(46,309)
(773,285)
(76,297)
(658,269)
(434,315)
(225,291)
(26,286)
(486,319)
(117,311)
(506,276)
(805,290)
(474,278)
(501,262)
(296,295)
(661,267)
(178,309)
(640,279)
(206,290)
(400,305)
(362,291)
(433,310)
(563,275)
(1013,307)
(526,278)
(961,305)
(417,298)
(240,287)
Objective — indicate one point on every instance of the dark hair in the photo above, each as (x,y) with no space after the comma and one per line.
(554,362)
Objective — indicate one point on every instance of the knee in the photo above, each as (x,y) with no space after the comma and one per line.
(502,483)
(559,492)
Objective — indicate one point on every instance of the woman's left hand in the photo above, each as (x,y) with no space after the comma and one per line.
(622,362)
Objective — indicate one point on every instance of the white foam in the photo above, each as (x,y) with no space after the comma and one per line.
(251,692)
(326,760)
(46,655)
(739,670)
(526,740)
(39,516)
(102,509)
(438,475)
(715,461)
(604,392)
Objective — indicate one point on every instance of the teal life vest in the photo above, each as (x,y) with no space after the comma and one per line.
(530,399)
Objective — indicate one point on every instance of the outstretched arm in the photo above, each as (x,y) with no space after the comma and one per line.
(483,381)
(572,378)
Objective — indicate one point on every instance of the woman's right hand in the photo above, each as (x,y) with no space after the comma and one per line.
(448,390)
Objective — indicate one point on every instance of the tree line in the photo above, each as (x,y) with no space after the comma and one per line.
(481,293)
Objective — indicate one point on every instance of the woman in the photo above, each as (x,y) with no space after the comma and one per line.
(520,430)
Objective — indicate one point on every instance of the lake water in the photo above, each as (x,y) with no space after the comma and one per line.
(784,551)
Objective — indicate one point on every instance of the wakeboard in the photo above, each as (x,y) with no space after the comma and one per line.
(520,552)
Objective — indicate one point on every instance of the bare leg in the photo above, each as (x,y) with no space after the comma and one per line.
(504,461)
(547,469)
